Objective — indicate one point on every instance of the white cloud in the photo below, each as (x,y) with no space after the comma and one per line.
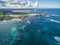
(4,0)
(23,3)
(28,4)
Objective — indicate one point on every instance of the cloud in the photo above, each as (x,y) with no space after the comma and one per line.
(29,3)
(24,3)
(5,0)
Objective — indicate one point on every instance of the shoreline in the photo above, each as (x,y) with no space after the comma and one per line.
(8,17)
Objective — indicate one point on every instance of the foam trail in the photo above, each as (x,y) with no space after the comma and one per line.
(54,15)
(15,19)
(57,38)
(54,20)
(28,22)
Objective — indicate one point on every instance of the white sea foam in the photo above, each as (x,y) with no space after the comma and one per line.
(11,21)
(54,15)
(57,38)
(16,19)
(28,22)
(54,20)
(48,15)
(4,21)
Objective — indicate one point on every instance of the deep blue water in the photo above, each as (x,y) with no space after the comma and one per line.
(32,30)
(50,11)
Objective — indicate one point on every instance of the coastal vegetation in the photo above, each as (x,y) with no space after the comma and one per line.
(7,17)
(11,16)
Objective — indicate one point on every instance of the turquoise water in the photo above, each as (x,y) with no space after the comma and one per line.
(40,30)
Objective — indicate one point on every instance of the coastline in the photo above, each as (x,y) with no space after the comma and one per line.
(8,17)
(12,16)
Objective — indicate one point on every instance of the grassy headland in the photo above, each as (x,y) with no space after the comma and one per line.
(11,16)
(7,17)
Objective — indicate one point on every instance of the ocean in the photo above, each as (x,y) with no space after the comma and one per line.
(32,30)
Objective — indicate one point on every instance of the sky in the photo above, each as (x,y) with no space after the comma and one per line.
(47,3)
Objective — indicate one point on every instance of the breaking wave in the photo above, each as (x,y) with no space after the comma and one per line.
(54,20)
